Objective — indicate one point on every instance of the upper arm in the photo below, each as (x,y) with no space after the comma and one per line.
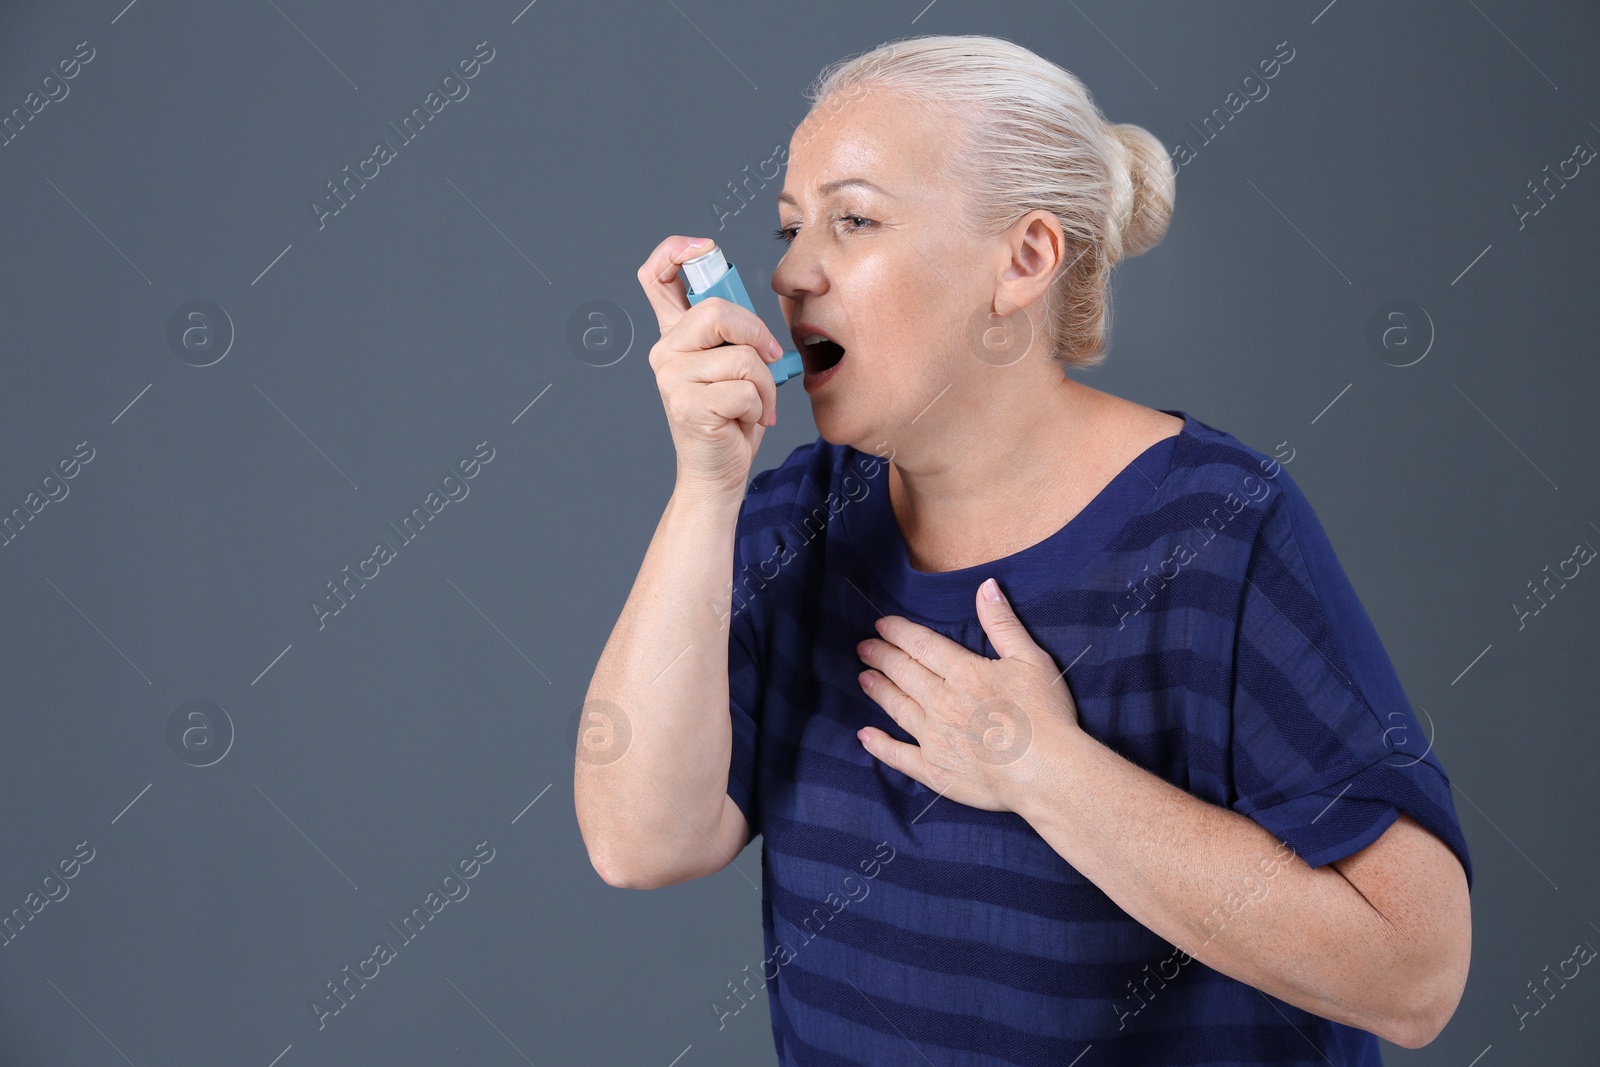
(731,835)
(737,828)
(1417,883)
(719,847)
(1324,748)
(1413,880)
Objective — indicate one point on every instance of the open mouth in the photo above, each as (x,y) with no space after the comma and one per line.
(819,351)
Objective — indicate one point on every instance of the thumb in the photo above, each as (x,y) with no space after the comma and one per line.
(1006,632)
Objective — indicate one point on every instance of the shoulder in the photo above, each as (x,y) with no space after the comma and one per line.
(777,499)
(804,466)
(1216,461)
(1205,457)
(781,503)
(1294,595)
(1212,469)
(1233,511)
(806,479)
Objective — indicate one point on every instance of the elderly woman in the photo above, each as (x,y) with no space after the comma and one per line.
(1066,733)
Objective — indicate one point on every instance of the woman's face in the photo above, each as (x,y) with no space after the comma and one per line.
(881,268)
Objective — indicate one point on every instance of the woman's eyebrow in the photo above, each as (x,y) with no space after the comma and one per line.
(838,183)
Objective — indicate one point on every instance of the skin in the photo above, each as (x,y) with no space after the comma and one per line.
(990,459)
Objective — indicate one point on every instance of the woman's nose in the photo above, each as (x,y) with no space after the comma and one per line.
(799,273)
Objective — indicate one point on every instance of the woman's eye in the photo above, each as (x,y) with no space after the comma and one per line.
(787,233)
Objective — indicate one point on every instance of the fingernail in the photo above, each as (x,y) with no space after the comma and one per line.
(696,243)
(991,590)
(775,348)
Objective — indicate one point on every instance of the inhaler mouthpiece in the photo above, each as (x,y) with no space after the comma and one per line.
(711,274)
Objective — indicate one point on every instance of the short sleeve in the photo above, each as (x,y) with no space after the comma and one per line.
(744,696)
(746,678)
(1326,750)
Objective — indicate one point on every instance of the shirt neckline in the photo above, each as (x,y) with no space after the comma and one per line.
(950,596)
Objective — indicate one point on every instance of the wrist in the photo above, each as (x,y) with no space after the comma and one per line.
(1046,779)
(704,496)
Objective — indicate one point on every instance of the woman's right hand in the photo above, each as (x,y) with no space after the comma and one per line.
(711,369)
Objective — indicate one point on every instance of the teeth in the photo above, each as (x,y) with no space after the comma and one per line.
(812,339)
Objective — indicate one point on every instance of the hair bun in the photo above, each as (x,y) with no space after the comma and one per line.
(1146,189)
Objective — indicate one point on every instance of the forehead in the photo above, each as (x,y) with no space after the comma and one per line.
(865,132)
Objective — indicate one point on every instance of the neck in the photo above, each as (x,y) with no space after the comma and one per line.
(977,494)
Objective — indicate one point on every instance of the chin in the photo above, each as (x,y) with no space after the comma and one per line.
(839,427)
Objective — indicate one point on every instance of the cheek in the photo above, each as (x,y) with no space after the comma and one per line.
(895,309)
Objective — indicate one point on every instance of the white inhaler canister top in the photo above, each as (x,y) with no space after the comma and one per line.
(704,270)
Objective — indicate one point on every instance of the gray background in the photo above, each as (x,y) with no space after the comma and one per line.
(371,355)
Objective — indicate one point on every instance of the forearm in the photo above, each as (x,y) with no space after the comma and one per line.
(651,773)
(1216,884)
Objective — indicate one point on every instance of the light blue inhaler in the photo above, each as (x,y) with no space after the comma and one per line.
(711,274)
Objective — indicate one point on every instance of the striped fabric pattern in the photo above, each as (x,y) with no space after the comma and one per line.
(1214,641)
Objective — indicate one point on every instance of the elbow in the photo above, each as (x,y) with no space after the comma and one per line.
(621,868)
(634,877)
(1415,1030)
(612,868)
(626,881)
(1428,1003)
(625,867)
(621,877)
(1418,1028)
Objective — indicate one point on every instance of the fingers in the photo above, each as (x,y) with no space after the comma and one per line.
(927,647)
(896,703)
(735,365)
(723,321)
(1006,632)
(901,669)
(661,281)
(905,758)
(717,322)
(733,400)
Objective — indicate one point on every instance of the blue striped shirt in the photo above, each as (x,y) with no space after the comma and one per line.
(1213,639)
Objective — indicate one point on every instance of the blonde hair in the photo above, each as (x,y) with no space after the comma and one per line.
(1030,138)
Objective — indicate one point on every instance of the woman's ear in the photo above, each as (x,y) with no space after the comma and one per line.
(1037,245)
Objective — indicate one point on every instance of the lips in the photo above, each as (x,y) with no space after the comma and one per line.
(819,350)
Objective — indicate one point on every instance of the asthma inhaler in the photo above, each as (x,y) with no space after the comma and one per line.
(710,274)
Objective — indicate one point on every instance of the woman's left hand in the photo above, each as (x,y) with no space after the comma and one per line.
(977,721)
